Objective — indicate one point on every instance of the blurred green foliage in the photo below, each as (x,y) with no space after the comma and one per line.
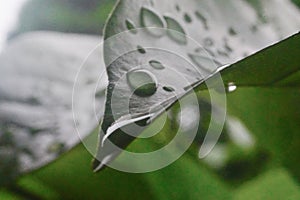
(297,2)
(74,16)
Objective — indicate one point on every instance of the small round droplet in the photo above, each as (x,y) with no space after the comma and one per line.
(175,31)
(231,87)
(130,26)
(232,32)
(187,18)
(208,42)
(177,8)
(168,89)
(141,49)
(152,21)
(156,65)
(142,82)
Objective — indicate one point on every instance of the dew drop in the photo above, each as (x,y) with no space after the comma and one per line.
(176,31)
(205,63)
(156,65)
(142,82)
(208,42)
(130,26)
(222,53)
(141,49)
(168,89)
(151,20)
(254,28)
(227,47)
(187,18)
(232,32)
(202,19)
(177,8)
(231,87)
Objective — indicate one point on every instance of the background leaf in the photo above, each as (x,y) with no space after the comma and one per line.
(38,71)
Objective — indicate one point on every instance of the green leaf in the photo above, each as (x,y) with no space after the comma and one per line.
(71,177)
(275,184)
(222,32)
(275,66)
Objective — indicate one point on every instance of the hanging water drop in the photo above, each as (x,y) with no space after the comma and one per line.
(231,87)
(156,65)
(130,26)
(151,21)
(142,82)
(175,31)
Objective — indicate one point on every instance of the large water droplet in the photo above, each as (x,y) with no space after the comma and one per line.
(207,64)
(151,20)
(176,31)
(156,64)
(130,26)
(142,82)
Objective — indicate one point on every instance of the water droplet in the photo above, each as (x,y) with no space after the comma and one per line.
(208,42)
(177,8)
(142,82)
(202,19)
(227,47)
(231,31)
(187,18)
(141,49)
(223,53)
(231,87)
(207,64)
(156,64)
(168,89)
(254,28)
(176,31)
(130,26)
(151,20)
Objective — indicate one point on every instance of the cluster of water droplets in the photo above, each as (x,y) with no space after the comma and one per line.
(142,81)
